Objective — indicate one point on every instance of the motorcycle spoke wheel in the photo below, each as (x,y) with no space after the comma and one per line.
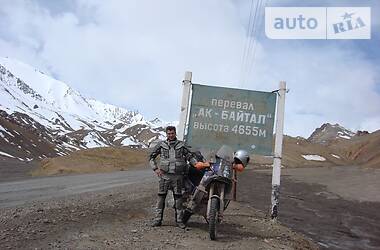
(213,217)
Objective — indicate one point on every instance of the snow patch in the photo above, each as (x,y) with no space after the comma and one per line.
(3,131)
(5,154)
(92,140)
(345,137)
(346,134)
(313,157)
(2,128)
(336,156)
(127,141)
(119,136)
(69,146)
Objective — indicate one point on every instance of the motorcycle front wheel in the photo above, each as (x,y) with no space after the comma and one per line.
(213,217)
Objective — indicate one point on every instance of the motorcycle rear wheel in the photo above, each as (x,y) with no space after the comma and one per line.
(213,218)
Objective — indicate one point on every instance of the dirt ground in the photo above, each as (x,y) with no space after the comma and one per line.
(93,160)
(119,219)
(350,182)
(336,207)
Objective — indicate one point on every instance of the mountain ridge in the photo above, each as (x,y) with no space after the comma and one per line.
(65,120)
(328,133)
(41,117)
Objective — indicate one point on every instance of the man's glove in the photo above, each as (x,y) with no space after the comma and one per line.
(201,165)
(239,167)
(158,172)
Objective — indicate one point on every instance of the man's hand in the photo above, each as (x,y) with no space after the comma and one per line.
(158,172)
(201,165)
(238,167)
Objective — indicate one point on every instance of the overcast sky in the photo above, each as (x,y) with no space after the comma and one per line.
(134,54)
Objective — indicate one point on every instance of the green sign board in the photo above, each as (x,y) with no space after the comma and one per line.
(242,119)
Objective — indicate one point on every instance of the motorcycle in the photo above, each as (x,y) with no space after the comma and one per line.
(211,195)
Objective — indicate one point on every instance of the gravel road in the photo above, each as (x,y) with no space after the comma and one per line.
(23,191)
(338,207)
(114,210)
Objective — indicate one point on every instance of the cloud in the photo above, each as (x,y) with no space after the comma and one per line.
(134,54)
(327,84)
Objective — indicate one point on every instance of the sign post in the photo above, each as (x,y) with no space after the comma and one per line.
(239,118)
(186,87)
(234,185)
(278,150)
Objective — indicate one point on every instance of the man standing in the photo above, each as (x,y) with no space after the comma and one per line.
(171,170)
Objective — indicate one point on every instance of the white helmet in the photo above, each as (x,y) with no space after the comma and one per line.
(242,156)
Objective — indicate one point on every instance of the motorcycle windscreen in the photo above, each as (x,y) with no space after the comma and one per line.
(223,166)
(225,152)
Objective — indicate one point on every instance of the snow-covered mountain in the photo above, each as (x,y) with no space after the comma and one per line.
(41,116)
(329,132)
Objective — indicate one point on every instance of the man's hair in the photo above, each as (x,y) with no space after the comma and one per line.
(170,128)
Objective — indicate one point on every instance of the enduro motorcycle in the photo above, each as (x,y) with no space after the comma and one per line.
(211,195)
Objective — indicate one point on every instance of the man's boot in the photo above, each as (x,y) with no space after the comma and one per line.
(157,220)
(159,211)
(178,216)
(186,216)
(179,211)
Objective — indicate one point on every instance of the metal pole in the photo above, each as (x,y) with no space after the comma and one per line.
(234,186)
(278,150)
(186,87)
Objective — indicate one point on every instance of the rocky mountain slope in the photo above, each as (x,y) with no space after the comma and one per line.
(363,149)
(43,117)
(360,148)
(329,145)
(328,133)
